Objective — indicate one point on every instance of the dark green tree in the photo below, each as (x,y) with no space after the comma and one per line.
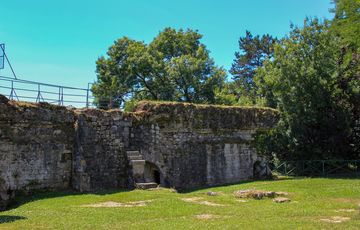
(254,50)
(175,66)
(303,78)
(346,24)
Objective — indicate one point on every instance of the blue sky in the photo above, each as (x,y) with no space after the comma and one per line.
(59,41)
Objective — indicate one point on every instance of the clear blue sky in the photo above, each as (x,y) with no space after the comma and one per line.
(59,41)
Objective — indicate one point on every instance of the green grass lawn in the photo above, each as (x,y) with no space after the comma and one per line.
(313,201)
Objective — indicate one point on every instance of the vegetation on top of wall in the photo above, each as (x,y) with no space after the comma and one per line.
(198,116)
(148,105)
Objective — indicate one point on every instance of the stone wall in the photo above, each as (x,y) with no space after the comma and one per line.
(194,145)
(100,160)
(52,147)
(36,147)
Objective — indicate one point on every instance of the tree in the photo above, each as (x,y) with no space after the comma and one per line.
(347,21)
(346,25)
(253,52)
(175,66)
(303,78)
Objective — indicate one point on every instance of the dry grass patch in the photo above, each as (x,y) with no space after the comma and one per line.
(200,200)
(346,210)
(112,204)
(253,193)
(281,200)
(335,219)
(206,216)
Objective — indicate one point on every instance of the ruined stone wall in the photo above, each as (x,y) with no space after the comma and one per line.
(196,146)
(52,147)
(100,160)
(36,147)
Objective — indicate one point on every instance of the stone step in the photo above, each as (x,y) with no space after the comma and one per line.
(137,162)
(138,157)
(145,186)
(133,153)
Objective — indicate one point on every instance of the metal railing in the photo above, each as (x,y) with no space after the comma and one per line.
(24,90)
(318,168)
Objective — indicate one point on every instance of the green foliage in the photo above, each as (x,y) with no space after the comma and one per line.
(346,24)
(253,52)
(175,66)
(130,105)
(303,82)
(311,201)
(347,21)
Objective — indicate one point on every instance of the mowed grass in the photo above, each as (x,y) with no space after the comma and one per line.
(312,201)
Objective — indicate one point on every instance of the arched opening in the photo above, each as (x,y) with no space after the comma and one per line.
(156,176)
(261,170)
(152,173)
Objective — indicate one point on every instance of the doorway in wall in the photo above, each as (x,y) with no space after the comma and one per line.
(156,176)
(152,173)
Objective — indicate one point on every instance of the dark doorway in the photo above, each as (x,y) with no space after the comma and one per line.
(156,176)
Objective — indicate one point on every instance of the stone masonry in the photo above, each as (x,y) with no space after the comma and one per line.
(179,145)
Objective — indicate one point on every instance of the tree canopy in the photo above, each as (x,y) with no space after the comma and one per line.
(253,51)
(175,66)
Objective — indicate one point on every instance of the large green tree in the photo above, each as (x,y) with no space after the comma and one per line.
(346,24)
(175,66)
(303,79)
(253,51)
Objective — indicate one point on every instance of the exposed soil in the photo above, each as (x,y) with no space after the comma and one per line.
(335,219)
(346,210)
(242,201)
(112,204)
(206,216)
(281,200)
(253,193)
(259,194)
(200,200)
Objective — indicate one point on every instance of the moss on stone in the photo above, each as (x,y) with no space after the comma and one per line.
(198,116)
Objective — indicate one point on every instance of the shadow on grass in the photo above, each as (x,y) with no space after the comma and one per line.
(237,183)
(8,219)
(23,198)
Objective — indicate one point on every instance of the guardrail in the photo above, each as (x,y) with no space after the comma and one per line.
(318,168)
(24,90)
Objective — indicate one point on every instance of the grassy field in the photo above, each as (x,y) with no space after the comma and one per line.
(315,204)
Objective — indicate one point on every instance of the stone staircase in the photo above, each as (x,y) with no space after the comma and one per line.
(137,163)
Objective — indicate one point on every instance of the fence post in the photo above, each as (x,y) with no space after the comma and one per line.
(323,168)
(38,96)
(12,91)
(62,96)
(59,97)
(87,95)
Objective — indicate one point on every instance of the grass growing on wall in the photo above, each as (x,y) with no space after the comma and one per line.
(313,202)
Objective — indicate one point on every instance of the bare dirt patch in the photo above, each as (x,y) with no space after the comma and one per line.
(346,210)
(242,201)
(281,200)
(112,204)
(200,200)
(335,219)
(253,193)
(281,193)
(206,216)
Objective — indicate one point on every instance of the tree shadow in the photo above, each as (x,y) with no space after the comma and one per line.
(23,198)
(8,219)
(189,190)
